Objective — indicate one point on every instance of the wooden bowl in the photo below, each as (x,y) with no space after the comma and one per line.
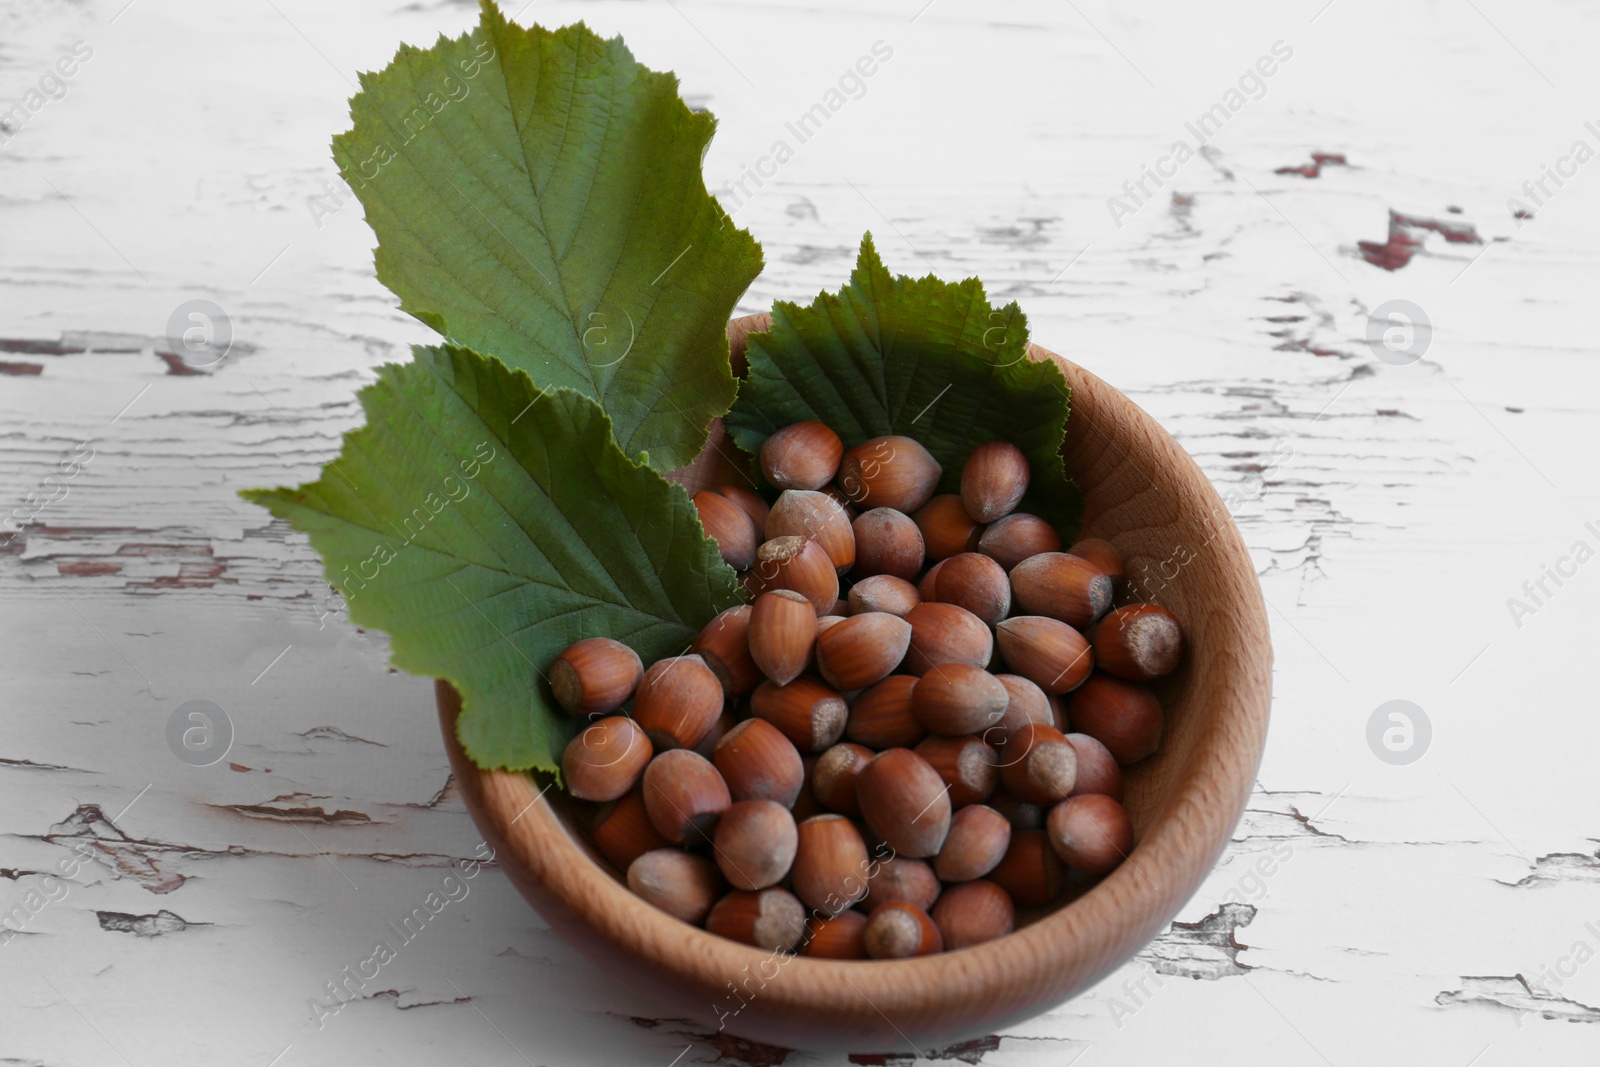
(1144,495)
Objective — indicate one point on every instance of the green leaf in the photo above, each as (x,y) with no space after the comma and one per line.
(537,196)
(485,525)
(919,357)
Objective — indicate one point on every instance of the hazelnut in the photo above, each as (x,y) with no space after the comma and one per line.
(679,883)
(889,472)
(1122,716)
(808,713)
(967,766)
(1040,766)
(975,582)
(837,937)
(945,633)
(972,913)
(678,702)
(818,516)
(1047,652)
(1021,816)
(929,583)
(754,843)
(795,563)
(730,527)
(1011,540)
(957,698)
(596,676)
(830,864)
(606,759)
(724,646)
(1091,833)
(1030,871)
(749,501)
(887,542)
(994,480)
(1138,642)
(1027,703)
(806,804)
(783,629)
(1097,768)
(623,831)
(899,930)
(684,795)
(759,763)
(883,592)
(833,780)
(977,841)
(1102,554)
(862,650)
(946,527)
(803,455)
(770,919)
(1061,586)
(904,802)
(880,715)
(902,878)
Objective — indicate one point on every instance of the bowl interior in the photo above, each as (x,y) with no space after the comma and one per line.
(1145,496)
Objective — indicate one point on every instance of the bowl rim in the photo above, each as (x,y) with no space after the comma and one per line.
(1086,937)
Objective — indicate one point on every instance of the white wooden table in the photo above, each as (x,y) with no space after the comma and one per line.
(1440,911)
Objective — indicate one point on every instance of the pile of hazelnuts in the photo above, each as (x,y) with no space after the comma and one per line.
(844,776)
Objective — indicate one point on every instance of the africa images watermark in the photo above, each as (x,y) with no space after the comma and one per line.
(51,87)
(852,85)
(1564,569)
(1566,166)
(53,889)
(1209,123)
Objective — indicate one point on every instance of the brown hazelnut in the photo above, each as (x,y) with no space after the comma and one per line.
(817,516)
(902,878)
(754,843)
(883,592)
(977,841)
(1014,538)
(795,563)
(881,717)
(946,527)
(928,585)
(904,802)
(809,714)
(1138,642)
(1040,765)
(833,780)
(972,913)
(889,472)
(945,633)
(1021,816)
(899,930)
(749,501)
(803,455)
(730,527)
(1123,716)
(956,699)
(1047,652)
(837,937)
(623,831)
(830,864)
(887,542)
(1027,703)
(724,646)
(782,632)
(1061,586)
(770,919)
(759,763)
(1091,833)
(1097,768)
(1102,554)
(862,650)
(678,702)
(684,796)
(595,676)
(606,759)
(967,766)
(974,581)
(1030,870)
(679,883)
(994,480)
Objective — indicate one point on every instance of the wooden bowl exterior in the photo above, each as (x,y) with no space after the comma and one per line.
(1149,499)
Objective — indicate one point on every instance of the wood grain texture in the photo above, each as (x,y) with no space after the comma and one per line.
(1142,493)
